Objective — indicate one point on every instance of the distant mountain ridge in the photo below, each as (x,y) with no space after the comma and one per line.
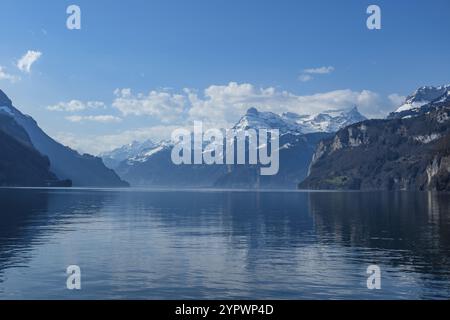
(151,165)
(291,123)
(83,170)
(328,121)
(130,151)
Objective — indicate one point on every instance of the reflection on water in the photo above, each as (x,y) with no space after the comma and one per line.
(225,245)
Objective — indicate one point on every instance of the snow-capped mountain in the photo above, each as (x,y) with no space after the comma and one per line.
(129,151)
(300,135)
(287,123)
(329,121)
(146,153)
(421,100)
(255,119)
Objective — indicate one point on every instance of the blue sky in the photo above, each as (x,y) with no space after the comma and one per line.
(209,60)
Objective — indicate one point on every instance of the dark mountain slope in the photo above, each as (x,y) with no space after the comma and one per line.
(83,170)
(22,165)
(295,155)
(158,170)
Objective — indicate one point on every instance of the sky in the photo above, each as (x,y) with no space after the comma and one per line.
(139,69)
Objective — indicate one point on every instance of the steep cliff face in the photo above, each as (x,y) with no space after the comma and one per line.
(397,154)
(438,171)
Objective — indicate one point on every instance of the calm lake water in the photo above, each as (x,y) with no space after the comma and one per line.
(141,244)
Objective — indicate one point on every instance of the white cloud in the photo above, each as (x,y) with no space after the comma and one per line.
(305,77)
(162,105)
(396,99)
(6,76)
(126,92)
(76,105)
(24,64)
(223,105)
(306,74)
(98,118)
(321,70)
(219,106)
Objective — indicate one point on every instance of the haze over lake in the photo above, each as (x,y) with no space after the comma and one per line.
(150,244)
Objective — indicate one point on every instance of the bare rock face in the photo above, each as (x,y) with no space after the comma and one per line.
(406,153)
(438,173)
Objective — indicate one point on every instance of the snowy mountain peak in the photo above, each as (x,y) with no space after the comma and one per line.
(333,120)
(255,119)
(289,122)
(422,97)
(147,153)
(328,121)
(129,150)
(427,93)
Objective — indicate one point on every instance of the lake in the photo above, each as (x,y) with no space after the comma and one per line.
(159,244)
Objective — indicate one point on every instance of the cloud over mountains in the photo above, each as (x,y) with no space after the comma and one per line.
(218,106)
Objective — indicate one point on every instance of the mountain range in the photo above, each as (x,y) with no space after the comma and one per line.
(339,150)
(150,164)
(59,162)
(127,152)
(408,151)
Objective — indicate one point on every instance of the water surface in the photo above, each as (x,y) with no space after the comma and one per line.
(147,244)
